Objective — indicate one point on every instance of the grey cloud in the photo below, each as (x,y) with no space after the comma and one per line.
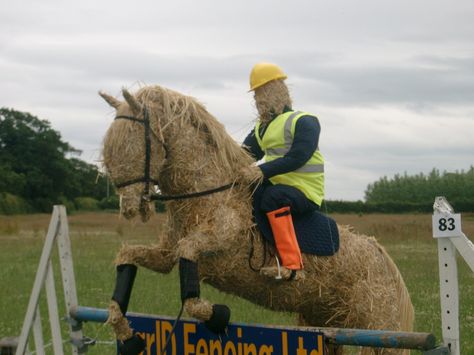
(55,55)
(99,62)
(420,83)
(416,84)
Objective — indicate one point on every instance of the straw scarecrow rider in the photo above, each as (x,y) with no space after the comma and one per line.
(293,167)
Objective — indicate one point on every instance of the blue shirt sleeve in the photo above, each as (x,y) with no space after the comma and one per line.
(305,143)
(250,144)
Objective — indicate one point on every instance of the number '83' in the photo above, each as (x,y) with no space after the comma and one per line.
(446,224)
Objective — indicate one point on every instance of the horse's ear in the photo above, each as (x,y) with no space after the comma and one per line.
(112,101)
(132,102)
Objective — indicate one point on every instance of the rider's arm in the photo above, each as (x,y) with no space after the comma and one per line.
(250,144)
(305,143)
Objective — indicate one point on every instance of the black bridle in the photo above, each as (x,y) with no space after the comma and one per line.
(146,178)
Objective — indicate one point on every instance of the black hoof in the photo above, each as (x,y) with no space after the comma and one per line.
(219,319)
(133,346)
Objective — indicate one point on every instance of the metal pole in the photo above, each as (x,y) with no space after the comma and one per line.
(38,333)
(39,281)
(447,229)
(449,294)
(53,311)
(69,281)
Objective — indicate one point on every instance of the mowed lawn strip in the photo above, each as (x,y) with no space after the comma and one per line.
(96,237)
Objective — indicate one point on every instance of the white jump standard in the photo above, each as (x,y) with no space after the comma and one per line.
(447,230)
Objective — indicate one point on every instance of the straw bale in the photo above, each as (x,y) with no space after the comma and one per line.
(358,287)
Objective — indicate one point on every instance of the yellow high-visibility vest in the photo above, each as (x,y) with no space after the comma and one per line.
(277,141)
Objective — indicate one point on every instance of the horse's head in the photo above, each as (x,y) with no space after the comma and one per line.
(133,154)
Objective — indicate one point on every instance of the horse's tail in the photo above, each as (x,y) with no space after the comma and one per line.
(405,306)
(407,313)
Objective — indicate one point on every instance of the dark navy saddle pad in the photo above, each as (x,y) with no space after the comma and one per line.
(316,233)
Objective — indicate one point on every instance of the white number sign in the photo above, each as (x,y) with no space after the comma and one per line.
(446,225)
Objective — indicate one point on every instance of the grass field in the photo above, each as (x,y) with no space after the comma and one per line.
(97,237)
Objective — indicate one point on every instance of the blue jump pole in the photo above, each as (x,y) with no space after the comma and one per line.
(339,336)
(90,314)
(380,338)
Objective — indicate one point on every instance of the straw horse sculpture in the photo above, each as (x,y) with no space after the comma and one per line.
(189,151)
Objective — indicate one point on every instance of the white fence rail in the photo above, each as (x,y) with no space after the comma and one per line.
(447,228)
(57,232)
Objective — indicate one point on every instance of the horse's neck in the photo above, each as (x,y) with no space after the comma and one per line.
(196,163)
(190,164)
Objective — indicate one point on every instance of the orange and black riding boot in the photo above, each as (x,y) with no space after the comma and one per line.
(281,223)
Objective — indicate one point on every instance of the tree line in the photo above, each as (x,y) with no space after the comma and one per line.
(413,193)
(38,169)
(457,187)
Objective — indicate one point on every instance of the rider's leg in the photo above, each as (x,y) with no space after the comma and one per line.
(279,202)
(284,234)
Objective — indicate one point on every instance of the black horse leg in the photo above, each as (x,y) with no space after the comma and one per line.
(123,285)
(189,282)
(123,289)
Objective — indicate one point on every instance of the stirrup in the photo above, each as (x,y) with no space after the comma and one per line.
(279,277)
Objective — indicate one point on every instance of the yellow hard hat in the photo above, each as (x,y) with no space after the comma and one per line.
(262,73)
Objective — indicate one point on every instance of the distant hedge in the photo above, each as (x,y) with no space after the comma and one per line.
(391,207)
(11,204)
(86,204)
(110,203)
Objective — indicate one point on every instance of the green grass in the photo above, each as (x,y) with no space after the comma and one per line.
(97,237)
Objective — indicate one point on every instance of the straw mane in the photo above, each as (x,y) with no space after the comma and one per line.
(187,117)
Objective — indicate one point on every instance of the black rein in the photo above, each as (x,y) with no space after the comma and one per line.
(158,197)
(146,177)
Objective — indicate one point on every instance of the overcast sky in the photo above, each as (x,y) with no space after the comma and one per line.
(392,82)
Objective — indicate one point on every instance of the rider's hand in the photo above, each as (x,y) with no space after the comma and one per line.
(250,175)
